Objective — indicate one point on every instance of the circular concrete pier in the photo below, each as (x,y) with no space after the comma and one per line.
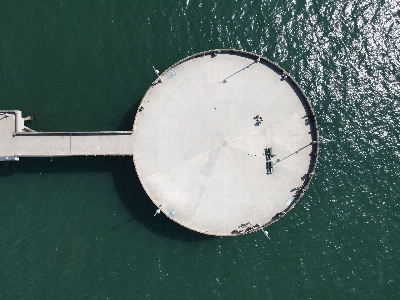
(225,142)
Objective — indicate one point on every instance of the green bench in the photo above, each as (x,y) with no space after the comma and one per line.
(270,164)
(270,167)
(268,153)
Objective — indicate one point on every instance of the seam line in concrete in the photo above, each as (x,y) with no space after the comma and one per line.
(209,104)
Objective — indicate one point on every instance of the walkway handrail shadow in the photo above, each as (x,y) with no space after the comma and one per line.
(297,151)
(246,67)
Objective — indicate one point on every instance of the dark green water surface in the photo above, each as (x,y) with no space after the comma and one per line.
(83,228)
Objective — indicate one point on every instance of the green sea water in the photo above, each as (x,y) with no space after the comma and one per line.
(83,228)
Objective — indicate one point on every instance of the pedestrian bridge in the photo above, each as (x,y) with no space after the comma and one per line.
(17,140)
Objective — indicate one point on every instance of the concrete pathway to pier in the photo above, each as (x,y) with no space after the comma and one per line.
(15,142)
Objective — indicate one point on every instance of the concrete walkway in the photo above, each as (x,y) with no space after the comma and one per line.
(15,142)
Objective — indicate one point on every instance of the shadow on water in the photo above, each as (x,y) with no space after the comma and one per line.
(127,120)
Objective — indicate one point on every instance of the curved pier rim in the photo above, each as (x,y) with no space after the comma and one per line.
(149,115)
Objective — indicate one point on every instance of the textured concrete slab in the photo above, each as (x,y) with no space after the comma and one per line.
(200,155)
